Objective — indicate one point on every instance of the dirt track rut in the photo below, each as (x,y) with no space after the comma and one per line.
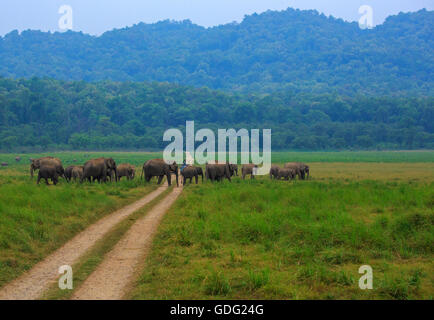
(114,276)
(32,284)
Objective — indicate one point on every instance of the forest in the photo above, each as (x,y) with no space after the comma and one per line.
(301,51)
(46,114)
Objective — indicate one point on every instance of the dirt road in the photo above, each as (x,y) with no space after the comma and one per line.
(33,283)
(115,275)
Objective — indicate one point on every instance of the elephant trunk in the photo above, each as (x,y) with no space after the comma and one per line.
(116,174)
(176,173)
(31,171)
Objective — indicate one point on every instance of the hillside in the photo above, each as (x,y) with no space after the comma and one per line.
(40,114)
(300,50)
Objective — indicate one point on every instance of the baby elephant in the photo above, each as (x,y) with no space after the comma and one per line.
(126,170)
(77,173)
(48,172)
(286,173)
(190,172)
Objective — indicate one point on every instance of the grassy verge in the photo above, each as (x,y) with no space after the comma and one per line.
(37,219)
(90,261)
(299,240)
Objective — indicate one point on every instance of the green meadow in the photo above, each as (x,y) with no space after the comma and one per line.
(267,239)
(257,239)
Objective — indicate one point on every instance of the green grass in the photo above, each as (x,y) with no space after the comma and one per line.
(37,219)
(300,240)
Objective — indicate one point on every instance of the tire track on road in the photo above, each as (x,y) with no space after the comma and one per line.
(118,271)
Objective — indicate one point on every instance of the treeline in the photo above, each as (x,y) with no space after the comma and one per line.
(43,114)
(292,49)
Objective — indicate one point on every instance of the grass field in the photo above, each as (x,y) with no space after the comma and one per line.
(248,239)
(300,240)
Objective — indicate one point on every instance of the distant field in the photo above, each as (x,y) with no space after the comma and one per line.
(138,158)
(299,240)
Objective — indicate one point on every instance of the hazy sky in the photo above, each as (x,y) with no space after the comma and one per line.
(97,16)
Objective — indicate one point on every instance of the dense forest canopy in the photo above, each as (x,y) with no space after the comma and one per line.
(52,114)
(288,50)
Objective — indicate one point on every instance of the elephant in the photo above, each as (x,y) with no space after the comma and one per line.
(68,173)
(99,169)
(199,171)
(234,169)
(287,173)
(188,173)
(36,164)
(248,169)
(110,174)
(300,168)
(274,172)
(159,168)
(218,172)
(17,159)
(77,173)
(305,169)
(126,170)
(48,172)
(4,164)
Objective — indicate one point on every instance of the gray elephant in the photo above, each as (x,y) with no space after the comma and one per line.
(159,168)
(234,169)
(36,164)
(248,169)
(48,172)
(77,173)
(99,169)
(286,173)
(218,172)
(199,171)
(300,168)
(17,159)
(126,170)
(190,172)
(68,173)
(274,171)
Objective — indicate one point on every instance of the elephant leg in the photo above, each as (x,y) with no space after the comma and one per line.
(39,179)
(197,179)
(160,178)
(46,181)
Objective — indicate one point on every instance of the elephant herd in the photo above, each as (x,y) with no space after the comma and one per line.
(99,169)
(221,171)
(290,171)
(104,169)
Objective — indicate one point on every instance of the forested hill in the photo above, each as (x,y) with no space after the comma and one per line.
(302,50)
(50,114)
